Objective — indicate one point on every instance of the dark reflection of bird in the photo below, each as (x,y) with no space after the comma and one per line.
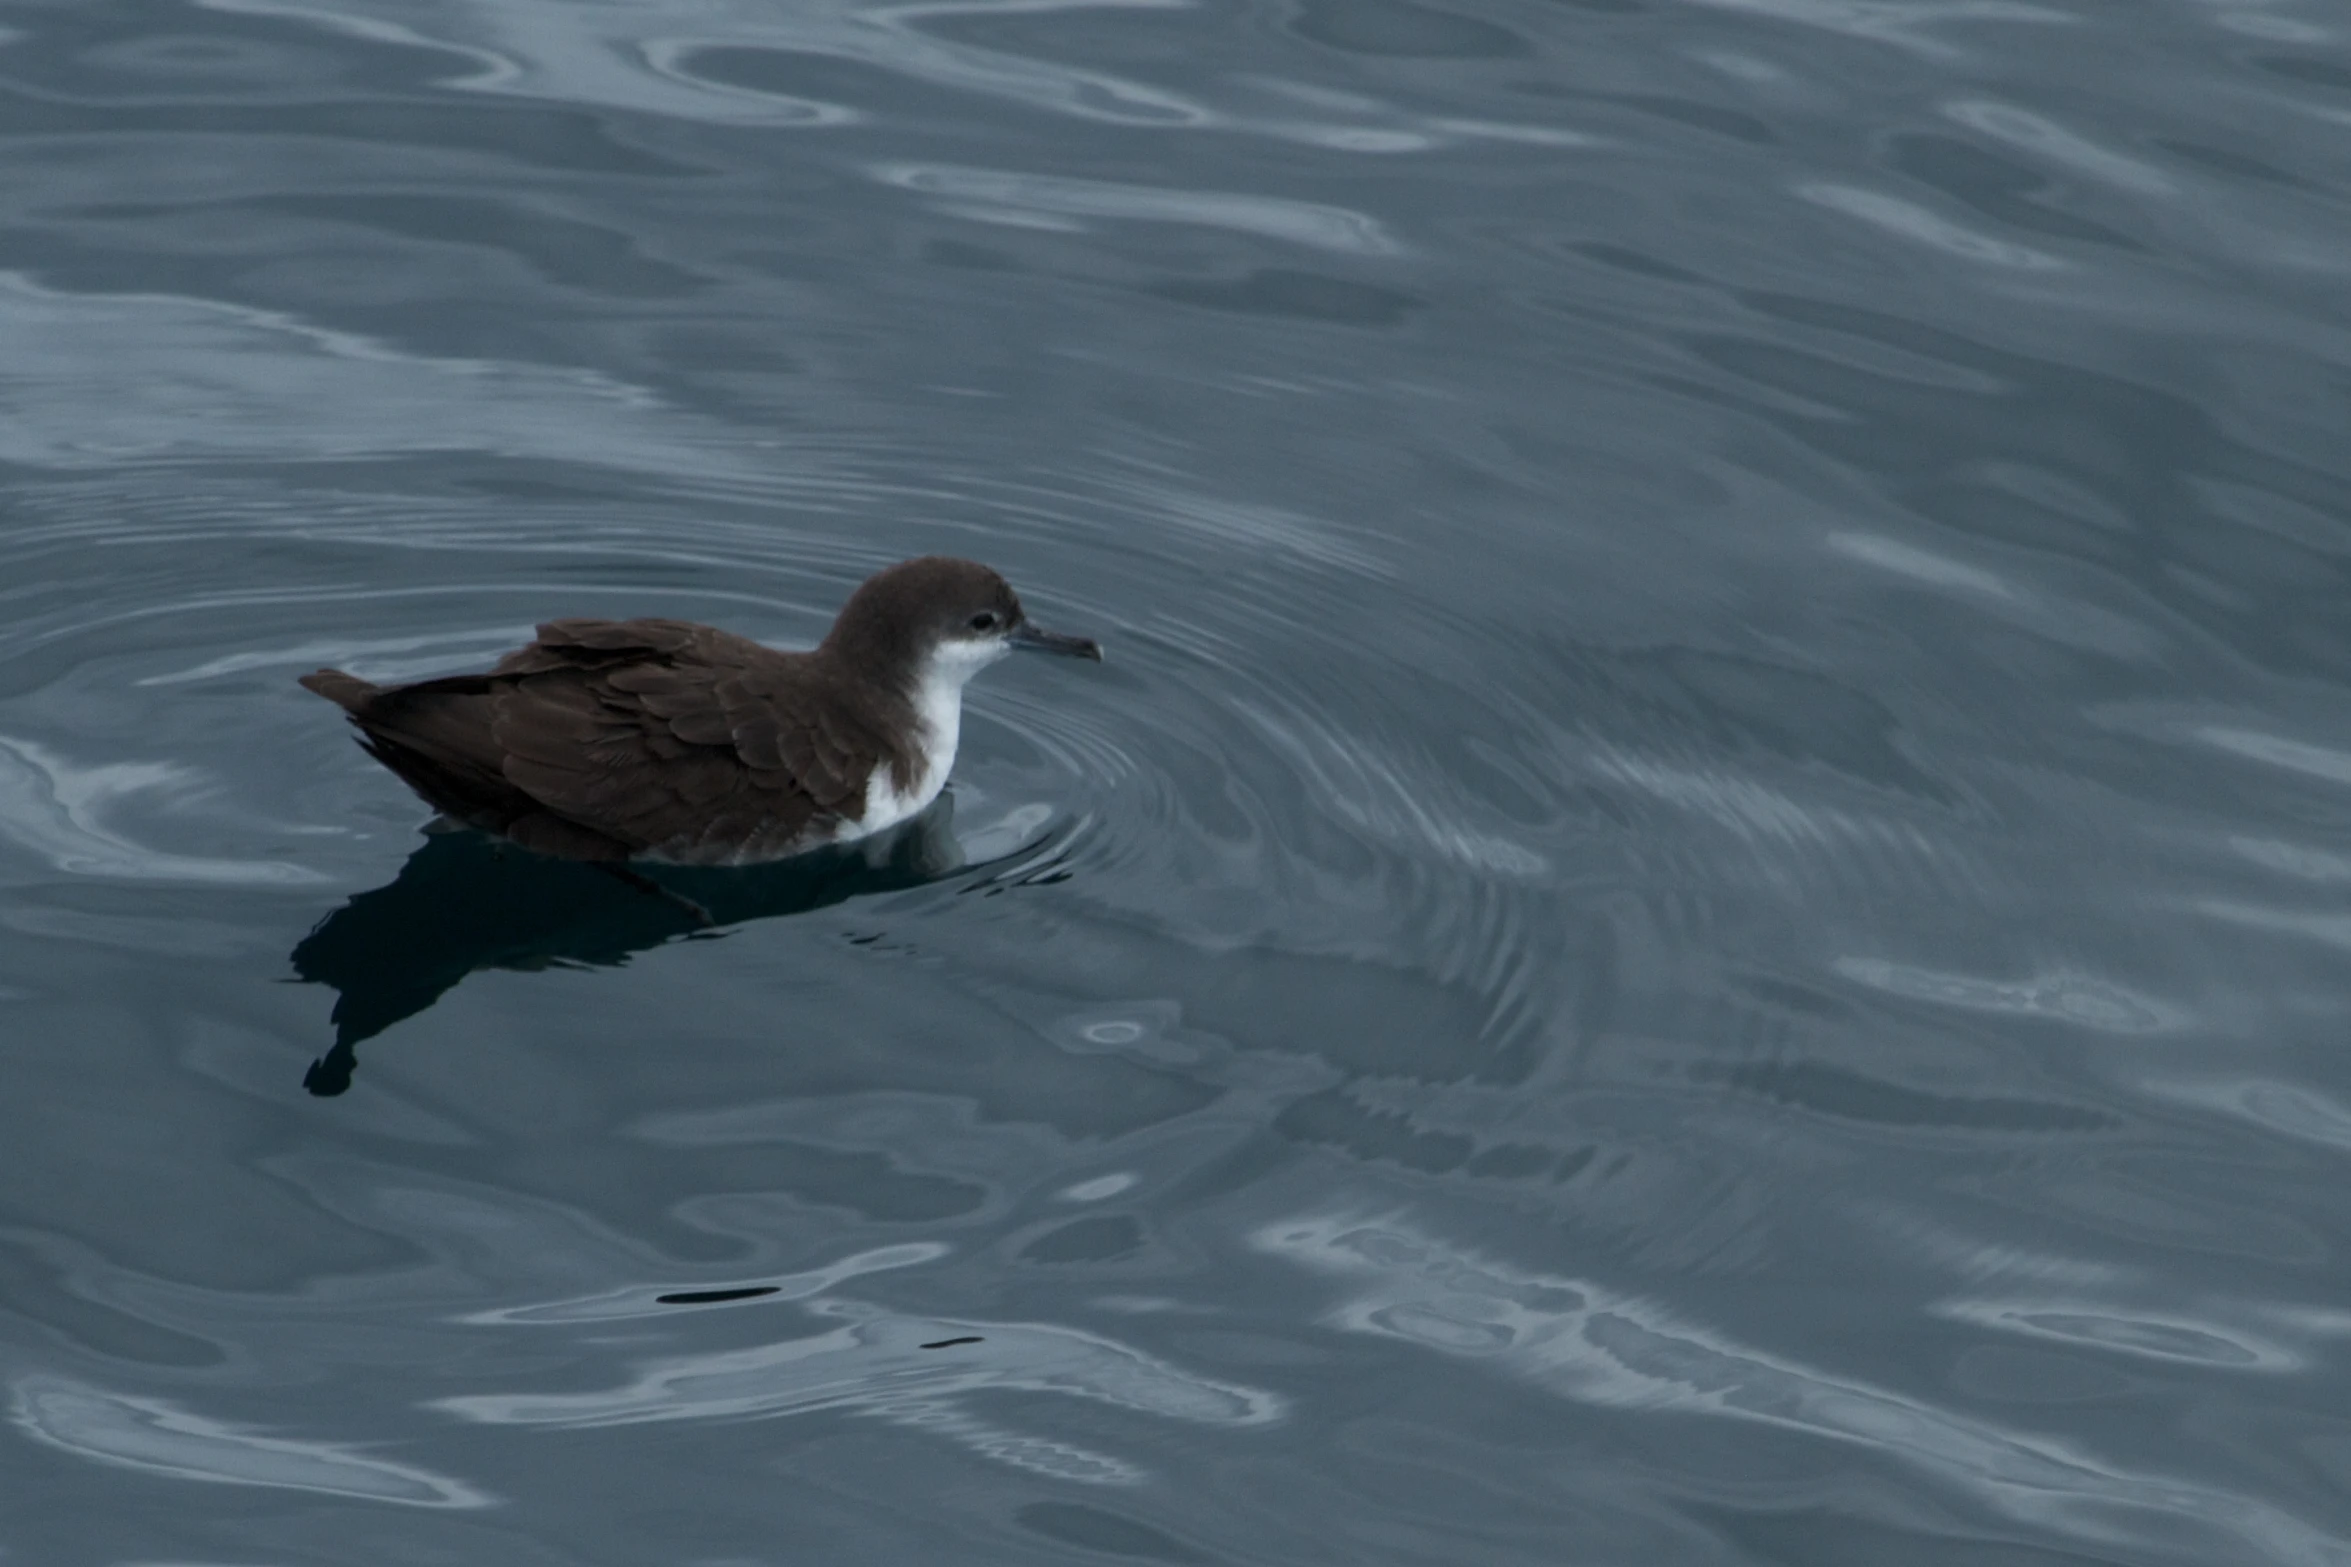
(465,901)
(663,741)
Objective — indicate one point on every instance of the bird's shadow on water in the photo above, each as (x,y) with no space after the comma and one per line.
(466,901)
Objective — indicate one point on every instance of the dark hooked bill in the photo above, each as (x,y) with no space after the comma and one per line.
(1028,636)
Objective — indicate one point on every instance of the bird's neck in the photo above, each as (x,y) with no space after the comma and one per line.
(937,694)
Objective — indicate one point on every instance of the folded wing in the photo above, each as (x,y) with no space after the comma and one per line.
(612,739)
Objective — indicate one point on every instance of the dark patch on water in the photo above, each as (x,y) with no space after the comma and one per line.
(568,254)
(1303,296)
(1836,1091)
(1625,259)
(2304,68)
(1112,1534)
(1398,28)
(1104,1237)
(2234,165)
(1700,116)
(715,1297)
(2007,192)
(1332,1119)
(976,258)
(1831,1537)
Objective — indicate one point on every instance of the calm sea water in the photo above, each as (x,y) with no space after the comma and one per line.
(1700,917)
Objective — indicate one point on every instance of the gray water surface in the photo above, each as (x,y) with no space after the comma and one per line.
(1700,916)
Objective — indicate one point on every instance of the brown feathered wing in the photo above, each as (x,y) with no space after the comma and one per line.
(615,739)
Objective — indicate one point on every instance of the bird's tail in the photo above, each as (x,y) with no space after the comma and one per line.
(348,692)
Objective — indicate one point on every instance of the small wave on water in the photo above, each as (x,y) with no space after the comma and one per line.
(648,1301)
(147,378)
(913,1372)
(1585,1342)
(745,64)
(58,811)
(155,1436)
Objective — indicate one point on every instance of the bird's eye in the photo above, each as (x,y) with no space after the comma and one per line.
(985,620)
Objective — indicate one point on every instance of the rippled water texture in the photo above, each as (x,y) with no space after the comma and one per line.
(1700,916)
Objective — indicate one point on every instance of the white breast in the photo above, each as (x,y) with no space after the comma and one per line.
(938,713)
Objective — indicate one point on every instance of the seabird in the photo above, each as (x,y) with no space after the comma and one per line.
(670,742)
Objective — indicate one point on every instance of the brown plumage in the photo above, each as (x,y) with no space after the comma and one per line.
(664,740)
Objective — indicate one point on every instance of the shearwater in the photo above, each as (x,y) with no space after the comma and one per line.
(666,741)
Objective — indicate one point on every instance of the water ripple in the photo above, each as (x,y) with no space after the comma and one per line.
(978,191)
(1595,1345)
(2021,127)
(910,1371)
(160,1438)
(1900,216)
(2069,998)
(1897,23)
(57,810)
(647,1300)
(2100,1325)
